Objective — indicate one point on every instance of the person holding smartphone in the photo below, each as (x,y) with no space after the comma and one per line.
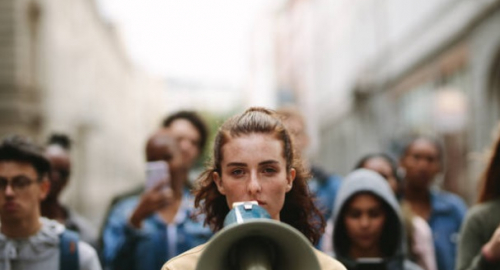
(368,228)
(142,232)
(190,132)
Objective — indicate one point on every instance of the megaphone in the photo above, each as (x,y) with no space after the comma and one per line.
(250,240)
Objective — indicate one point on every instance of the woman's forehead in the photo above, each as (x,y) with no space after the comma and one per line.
(253,146)
(365,198)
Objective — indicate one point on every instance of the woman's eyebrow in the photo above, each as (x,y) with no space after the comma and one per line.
(236,164)
(269,162)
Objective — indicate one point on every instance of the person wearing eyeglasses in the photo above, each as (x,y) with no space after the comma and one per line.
(58,153)
(27,240)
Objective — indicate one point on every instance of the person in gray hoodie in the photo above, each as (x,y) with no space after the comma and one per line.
(28,241)
(368,229)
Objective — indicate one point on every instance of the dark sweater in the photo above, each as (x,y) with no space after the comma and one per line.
(478,228)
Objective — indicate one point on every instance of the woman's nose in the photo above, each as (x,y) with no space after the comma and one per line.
(364,221)
(254,184)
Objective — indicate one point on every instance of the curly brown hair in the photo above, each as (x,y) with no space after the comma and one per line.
(298,210)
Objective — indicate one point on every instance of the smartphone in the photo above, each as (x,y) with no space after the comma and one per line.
(370,264)
(156,172)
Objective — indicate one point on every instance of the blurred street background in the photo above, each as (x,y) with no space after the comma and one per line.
(365,73)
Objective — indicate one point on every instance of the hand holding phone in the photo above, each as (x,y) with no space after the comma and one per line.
(157,194)
(157,172)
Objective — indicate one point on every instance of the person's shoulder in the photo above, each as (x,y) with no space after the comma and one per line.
(138,190)
(450,200)
(447,196)
(326,262)
(186,260)
(81,223)
(335,180)
(75,216)
(119,213)
(127,203)
(483,211)
(323,176)
(421,227)
(409,265)
(485,208)
(87,257)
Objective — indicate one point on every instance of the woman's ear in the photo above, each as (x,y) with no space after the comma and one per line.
(290,179)
(218,182)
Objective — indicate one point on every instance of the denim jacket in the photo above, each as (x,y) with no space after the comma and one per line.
(324,187)
(447,213)
(127,248)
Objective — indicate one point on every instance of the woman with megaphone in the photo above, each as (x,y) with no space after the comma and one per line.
(253,160)
(368,228)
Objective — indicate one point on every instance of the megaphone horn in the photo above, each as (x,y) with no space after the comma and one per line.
(252,243)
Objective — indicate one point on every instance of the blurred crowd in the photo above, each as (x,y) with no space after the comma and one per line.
(388,207)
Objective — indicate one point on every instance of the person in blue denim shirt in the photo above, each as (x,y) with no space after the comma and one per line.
(156,241)
(444,211)
(191,133)
(142,232)
(325,188)
(447,214)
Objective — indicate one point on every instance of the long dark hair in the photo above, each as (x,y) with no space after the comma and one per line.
(490,180)
(298,210)
(389,239)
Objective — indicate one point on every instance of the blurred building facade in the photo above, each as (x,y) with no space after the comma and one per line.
(368,73)
(63,69)
(209,97)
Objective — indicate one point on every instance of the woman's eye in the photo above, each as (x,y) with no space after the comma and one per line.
(269,170)
(354,214)
(375,213)
(237,172)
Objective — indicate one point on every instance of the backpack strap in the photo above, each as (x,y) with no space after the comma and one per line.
(68,247)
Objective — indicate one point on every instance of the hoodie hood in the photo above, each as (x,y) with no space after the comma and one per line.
(367,181)
(38,247)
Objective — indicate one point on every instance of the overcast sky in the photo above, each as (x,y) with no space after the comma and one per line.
(188,39)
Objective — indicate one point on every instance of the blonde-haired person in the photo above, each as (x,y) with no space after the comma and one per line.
(253,159)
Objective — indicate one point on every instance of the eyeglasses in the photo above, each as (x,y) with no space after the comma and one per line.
(17,183)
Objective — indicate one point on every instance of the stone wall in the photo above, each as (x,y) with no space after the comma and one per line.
(64,69)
